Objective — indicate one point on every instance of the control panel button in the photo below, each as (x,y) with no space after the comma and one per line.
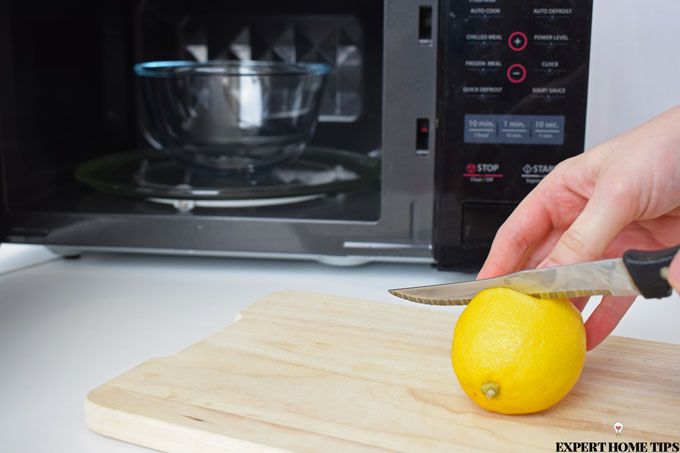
(548,130)
(483,66)
(482,92)
(483,172)
(480,129)
(552,14)
(485,13)
(514,129)
(532,173)
(517,41)
(551,40)
(483,40)
(517,73)
(549,94)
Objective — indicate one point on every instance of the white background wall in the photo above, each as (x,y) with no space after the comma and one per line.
(635,64)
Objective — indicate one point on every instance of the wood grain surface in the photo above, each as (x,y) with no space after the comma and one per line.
(308,372)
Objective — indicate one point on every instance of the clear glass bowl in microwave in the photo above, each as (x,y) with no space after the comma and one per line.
(230,115)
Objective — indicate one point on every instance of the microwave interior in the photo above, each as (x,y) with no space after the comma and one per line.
(70,98)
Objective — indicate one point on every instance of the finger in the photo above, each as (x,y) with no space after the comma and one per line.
(605,318)
(674,273)
(525,227)
(580,302)
(541,251)
(602,219)
(638,235)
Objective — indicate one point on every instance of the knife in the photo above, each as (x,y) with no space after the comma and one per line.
(636,273)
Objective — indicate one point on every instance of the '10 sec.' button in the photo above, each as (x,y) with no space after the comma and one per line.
(548,130)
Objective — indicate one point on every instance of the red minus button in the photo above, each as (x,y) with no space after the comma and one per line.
(517,73)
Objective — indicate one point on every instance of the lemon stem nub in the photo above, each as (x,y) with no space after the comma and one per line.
(490,390)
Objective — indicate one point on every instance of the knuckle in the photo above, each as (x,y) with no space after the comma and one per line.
(568,164)
(520,240)
(623,196)
(619,190)
(513,234)
(575,244)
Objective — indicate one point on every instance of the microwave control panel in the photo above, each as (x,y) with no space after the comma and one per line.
(512,91)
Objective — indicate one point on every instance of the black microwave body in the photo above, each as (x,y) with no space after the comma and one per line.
(512,93)
(458,108)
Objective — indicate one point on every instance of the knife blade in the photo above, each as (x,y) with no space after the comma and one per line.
(638,272)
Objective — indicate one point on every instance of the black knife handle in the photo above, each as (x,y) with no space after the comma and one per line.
(646,270)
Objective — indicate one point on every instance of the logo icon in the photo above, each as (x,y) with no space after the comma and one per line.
(618,427)
(527,168)
(470,168)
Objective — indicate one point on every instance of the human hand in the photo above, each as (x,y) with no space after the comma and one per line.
(674,273)
(622,194)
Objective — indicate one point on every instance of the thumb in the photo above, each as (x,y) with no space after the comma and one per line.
(674,273)
(602,219)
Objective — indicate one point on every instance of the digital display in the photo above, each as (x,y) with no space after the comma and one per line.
(514,129)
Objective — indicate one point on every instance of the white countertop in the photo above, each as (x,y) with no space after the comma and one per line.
(67,326)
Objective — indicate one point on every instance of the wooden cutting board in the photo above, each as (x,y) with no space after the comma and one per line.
(307,372)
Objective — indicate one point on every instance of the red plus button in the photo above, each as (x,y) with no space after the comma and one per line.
(517,41)
(517,73)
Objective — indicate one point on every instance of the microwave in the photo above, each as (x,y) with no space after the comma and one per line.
(446,113)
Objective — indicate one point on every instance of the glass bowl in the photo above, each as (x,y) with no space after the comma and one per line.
(230,115)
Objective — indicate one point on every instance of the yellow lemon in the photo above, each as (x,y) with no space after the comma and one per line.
(516,354)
